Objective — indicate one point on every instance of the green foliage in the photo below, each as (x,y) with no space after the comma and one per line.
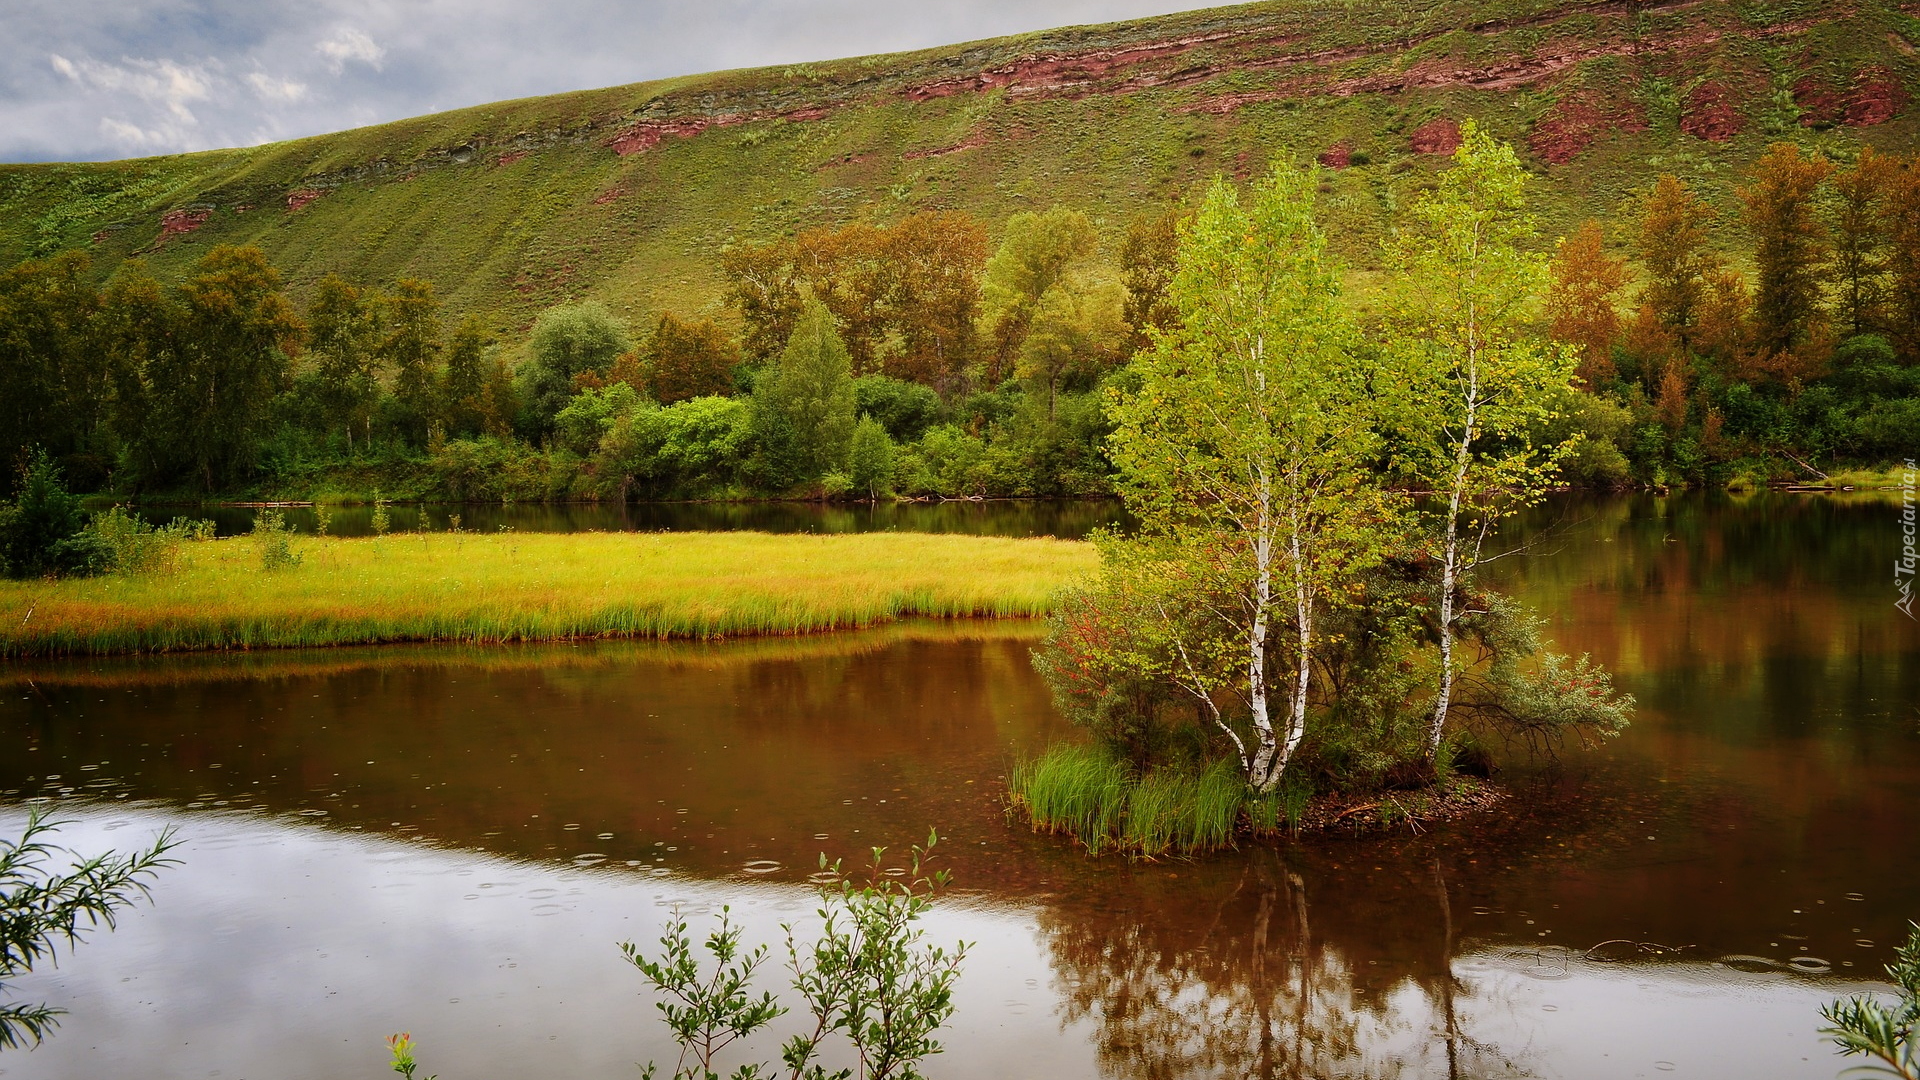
(132,547)
(870,459)
(1087,793)
(401,1048)
(42,532)
(590,414)
(868,978)
(1473,379)
(804,406)
(1243,448)
(1039,253)
(41,907)
(706,1012)
(693,448)
(1887,1035)
(567,341)
(274,541)
(905,409)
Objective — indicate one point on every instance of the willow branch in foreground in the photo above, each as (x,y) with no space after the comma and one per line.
(531,587)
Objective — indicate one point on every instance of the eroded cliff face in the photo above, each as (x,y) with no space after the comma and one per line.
(632,191)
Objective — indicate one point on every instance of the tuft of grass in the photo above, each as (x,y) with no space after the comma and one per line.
(467,587)
(1097,799)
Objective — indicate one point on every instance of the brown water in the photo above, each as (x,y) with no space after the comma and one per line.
(450,841)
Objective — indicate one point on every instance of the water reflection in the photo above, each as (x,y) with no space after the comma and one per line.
(1682,900)
(1067,519)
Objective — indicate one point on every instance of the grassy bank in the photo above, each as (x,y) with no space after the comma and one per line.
(529,587)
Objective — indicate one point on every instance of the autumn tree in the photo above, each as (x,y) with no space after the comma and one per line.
(1243,451)
(1148,257)
(764,286)
(1791,249)
(1582,306)
(1478,381)
(1674,231)
(1860,220)
(343,351)
(411,350)
(904,298)
(1903,262)
(688,359)
(937,257)
(1040,251)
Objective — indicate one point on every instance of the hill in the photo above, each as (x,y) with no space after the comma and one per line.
(627,194)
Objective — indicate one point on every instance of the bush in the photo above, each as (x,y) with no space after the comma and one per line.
(590,414)
(274,541)
(133,547)
(905,409)
(44,531)
(690,448)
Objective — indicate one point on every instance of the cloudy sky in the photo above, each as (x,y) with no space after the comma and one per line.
(96,79)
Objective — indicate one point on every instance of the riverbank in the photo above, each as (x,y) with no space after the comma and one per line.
(497,587)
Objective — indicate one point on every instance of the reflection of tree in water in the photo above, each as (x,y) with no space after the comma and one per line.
(1232,976)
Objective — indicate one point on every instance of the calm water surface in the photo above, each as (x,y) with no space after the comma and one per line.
(450,842)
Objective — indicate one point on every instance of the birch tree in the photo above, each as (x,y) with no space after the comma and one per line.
(1475,376)
(1244,452)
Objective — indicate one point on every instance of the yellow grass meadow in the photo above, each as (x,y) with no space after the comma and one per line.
(489,587)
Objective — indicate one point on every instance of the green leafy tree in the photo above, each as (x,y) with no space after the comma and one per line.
(1077,330)
(54,387)
(1475,377)
(463,383)
(567,341)
(1037,254)
(43,531)
(411,349)
(343,338)
(870,455)
(210,394)
(804,404)
(135,333)
(1243,449)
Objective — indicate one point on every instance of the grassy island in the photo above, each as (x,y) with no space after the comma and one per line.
(528,587)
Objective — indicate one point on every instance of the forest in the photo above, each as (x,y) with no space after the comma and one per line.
(920,358)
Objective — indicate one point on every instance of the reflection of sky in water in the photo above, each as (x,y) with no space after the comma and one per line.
(1761,806)
(288,949)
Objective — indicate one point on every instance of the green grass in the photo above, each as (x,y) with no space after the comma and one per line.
(497,587)
(1085,793)
(445,197)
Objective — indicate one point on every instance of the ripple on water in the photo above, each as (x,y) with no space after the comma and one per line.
(1752,965)
(761,866)
(589,858)
(1810,965)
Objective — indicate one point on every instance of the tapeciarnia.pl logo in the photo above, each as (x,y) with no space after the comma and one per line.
(1904,566)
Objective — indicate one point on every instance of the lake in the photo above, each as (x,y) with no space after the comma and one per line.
(450,841)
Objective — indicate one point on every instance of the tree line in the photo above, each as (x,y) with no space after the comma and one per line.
(920,358)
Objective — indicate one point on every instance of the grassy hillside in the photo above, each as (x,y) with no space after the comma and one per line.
(628,194)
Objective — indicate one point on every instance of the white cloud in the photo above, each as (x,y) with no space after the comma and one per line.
(274,89)
(350,44)
(166,83)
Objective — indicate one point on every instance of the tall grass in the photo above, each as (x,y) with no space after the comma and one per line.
(1088,794)
(533,587)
